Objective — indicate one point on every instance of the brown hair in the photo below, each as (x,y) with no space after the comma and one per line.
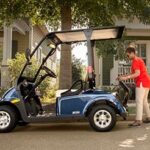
(130,50)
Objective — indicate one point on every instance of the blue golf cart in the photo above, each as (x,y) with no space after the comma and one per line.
(21,104)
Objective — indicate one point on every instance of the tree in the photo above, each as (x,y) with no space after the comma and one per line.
(70,13)
(113,47)
(77,69)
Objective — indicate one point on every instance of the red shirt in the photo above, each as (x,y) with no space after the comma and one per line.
(144,78)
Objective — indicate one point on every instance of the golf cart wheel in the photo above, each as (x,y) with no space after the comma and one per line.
(102,118)
(8,119)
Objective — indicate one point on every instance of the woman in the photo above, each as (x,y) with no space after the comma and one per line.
(142,80)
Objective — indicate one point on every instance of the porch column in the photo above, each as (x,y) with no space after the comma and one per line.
(7,54)
(96,67)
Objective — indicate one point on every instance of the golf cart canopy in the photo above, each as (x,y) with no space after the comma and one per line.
(92,34)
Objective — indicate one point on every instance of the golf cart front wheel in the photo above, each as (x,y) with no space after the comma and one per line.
(8,119)
(102,118)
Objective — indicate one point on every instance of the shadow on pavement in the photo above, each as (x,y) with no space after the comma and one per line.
(67,127)
(55,127)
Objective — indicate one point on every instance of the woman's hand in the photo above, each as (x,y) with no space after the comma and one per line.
(122,78)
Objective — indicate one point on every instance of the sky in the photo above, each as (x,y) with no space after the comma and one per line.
(79,51)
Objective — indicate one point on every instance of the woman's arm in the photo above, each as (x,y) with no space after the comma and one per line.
(129,76)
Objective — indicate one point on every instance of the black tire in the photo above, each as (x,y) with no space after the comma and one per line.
(12,115)
(96,123)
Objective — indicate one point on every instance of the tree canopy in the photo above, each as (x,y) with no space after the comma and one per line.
(77,69)
(113,47)
(66,14)
(83,12)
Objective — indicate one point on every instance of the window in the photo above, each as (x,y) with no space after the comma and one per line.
(14,48)
(141,51)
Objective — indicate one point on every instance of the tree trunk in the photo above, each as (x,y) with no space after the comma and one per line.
(65,78)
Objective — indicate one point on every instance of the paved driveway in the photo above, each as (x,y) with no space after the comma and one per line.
(76,136)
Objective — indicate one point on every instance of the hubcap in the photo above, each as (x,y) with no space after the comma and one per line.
(102,118)
(4,119)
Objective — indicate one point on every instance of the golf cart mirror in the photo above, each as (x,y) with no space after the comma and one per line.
(27,54)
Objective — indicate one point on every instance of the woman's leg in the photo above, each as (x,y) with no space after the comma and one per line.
(140,93)
(145,103)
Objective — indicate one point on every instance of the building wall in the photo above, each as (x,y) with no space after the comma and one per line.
(1,49)
(147,42)
(37,37)
(141,34)
(1,46)
(97,68)
(107,65)
(20,42)
(23,40)
(114,72)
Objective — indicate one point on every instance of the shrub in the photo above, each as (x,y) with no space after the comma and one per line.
(46,87)
(15,66)
(2,91)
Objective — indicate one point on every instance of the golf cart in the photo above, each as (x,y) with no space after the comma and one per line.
(21,104)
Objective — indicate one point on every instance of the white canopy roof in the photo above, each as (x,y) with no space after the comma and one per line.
(93,34)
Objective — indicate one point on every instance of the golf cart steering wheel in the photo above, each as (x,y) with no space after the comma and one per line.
(49,72)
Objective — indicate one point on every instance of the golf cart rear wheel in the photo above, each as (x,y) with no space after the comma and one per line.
(102,118)
(8,119)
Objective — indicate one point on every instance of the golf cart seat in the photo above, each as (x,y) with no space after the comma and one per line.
(72,91)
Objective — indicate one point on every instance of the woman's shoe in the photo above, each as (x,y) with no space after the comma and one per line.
(147,120)
(135,123)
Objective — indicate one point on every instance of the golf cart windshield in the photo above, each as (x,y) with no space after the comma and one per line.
(38,58)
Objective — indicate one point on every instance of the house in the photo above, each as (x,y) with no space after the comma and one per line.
(107,69)
(16,38)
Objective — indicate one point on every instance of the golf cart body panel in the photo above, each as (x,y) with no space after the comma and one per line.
(13,98)
(79,104)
